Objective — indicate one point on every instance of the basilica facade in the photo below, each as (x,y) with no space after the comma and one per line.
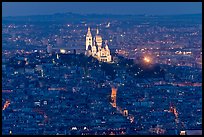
(95,47)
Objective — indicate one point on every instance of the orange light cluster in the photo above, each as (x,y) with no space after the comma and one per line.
(147,59)
(114,92)
(6,105)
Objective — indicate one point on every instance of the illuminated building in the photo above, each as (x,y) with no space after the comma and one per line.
(183,133)
(125,112)
(63,51)
(95,47)
(88,39)
(113,97)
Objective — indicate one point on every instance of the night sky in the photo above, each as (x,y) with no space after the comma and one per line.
(154,8)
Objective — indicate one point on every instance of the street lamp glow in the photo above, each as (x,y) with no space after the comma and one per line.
(147,59)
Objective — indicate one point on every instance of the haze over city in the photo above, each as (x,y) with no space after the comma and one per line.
(151,8)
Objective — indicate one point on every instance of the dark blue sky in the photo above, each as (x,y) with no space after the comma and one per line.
(155,8)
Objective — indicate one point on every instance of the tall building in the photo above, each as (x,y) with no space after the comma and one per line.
(88,38)
(95,47)
(113,96)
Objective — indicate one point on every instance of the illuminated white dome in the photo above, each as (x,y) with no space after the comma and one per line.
(98,38)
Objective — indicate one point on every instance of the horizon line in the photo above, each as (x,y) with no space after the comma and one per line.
(144,14)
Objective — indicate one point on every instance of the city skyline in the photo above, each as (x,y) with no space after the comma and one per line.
(71,74)
(151,8)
